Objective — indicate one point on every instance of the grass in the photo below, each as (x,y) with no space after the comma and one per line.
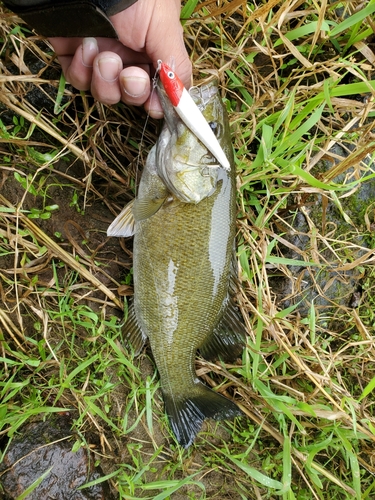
(298,83)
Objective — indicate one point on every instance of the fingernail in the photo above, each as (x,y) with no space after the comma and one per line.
(156,113)
(154,107)
(89,51)
(134,86)
(109,68)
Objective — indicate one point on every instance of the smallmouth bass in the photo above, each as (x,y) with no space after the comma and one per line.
(183,221)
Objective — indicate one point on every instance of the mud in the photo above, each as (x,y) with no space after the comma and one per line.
(46,448)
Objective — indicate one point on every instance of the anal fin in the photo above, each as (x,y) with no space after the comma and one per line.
(228,338)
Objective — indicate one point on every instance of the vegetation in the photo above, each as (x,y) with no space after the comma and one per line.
(298,81)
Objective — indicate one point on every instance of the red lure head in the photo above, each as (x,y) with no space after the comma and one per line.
(171,83)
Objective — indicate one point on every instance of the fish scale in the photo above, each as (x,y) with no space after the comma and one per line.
(187,246)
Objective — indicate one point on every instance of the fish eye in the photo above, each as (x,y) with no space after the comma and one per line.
(214,127)
(170,74)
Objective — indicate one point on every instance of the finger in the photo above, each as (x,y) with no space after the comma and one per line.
(76,61)
(65,46)
(180,59)
(171,44)
(153,106)
(154,29)
(136,90)
(135,85)
(105,78)
(128,55)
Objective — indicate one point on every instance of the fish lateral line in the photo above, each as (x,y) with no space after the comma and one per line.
(190,113)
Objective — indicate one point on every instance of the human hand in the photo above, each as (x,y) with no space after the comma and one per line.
(117,70)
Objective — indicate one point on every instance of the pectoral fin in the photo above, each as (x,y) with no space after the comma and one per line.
(228,339)
(145,208)
(136,210)
(124,224)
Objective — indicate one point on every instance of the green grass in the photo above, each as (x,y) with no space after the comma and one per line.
(298,83)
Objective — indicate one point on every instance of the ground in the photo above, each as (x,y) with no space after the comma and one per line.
(298,83)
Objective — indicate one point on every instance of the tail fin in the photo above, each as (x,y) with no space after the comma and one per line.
(186,414)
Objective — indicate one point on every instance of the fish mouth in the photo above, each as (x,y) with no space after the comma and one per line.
(202,96)
(184,164)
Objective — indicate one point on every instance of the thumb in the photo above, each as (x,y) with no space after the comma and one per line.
(175,55)
(164,41)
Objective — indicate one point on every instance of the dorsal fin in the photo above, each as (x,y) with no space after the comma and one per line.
(133,332)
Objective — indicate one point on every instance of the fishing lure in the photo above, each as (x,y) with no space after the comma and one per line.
(189,113)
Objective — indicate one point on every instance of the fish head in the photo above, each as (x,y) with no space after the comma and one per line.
(188,169)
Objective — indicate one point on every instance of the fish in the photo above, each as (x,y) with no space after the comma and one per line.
(184,223)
